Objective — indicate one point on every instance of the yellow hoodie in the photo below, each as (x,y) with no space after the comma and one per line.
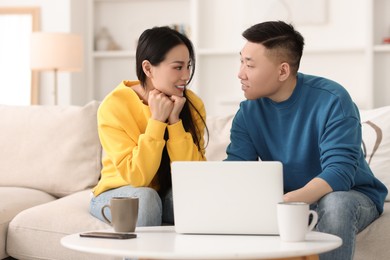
(133,142)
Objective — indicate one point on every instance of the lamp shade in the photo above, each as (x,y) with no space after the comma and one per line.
(56,51)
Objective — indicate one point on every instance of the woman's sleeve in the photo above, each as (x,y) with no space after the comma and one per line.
(135,155)
(181,146)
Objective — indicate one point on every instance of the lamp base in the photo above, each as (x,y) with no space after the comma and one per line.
(55,87)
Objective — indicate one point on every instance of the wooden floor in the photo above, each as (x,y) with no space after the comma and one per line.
(310,257)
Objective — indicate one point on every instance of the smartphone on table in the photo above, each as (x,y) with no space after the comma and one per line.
(112,235)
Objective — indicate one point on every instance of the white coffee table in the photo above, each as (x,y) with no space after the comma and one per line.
(164,243)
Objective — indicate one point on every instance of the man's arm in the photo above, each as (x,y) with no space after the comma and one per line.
(241,147)
(310,193)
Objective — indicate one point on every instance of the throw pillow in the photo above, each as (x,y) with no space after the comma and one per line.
(219,136)
(376,142)
(54,149)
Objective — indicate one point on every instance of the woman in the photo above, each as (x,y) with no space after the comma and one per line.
(144,125)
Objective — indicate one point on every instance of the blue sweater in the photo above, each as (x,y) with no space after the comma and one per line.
(314,133)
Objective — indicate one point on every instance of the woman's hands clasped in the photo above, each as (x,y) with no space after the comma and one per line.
(164,108)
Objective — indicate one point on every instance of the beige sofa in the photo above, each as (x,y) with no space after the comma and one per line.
(50,158)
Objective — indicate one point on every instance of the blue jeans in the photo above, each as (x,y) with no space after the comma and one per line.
(344,214)
(152,211)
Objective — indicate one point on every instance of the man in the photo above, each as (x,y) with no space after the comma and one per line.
(312,126)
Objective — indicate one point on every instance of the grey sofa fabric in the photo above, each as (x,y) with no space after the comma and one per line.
(373,243)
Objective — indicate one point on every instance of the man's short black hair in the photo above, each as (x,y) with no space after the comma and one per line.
(280,38)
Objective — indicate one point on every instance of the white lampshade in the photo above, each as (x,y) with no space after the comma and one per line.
(56,51)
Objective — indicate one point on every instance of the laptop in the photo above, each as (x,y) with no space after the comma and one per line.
(226,197)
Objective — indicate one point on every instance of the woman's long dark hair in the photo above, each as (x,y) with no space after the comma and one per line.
(153,45)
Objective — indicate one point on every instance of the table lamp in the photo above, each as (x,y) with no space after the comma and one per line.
(56,52)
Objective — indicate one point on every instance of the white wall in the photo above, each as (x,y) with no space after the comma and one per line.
(337,44)
(337,49)
(345,29)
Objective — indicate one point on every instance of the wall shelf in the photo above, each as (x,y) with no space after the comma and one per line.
(354,59)
(382,48)
(217,52)
(114,54)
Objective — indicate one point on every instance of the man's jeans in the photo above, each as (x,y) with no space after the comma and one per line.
(152,209)
(344,214)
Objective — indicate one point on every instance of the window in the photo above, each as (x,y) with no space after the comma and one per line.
(18,84)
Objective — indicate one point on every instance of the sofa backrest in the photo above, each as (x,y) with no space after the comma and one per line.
(57,150)
(219,136)
(50,148)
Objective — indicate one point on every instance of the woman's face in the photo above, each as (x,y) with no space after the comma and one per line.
(172,74)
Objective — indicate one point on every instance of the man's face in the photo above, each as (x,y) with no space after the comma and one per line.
(259,72)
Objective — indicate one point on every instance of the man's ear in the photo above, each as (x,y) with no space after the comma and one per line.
(284,71)
(147,68)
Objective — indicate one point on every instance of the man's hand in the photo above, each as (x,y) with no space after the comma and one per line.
(310,193)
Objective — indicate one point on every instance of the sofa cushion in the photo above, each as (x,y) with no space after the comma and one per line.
(50,148)
(372,243)
(376,142)
(219,136)
(14,200)
(36,232)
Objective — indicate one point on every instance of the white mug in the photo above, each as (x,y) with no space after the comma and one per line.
(293,220)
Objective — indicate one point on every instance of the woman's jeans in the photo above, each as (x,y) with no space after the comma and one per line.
(344,214)
(152,211)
